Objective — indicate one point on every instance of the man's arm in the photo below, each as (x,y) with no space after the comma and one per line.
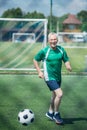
(68,66)
(40,73)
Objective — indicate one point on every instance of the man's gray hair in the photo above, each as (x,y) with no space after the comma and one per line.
(52,33)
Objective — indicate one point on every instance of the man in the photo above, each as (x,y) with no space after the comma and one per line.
(52,57)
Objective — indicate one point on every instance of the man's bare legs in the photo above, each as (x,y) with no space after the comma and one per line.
(55,100)
(53,113)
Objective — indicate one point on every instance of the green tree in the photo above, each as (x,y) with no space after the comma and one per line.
(35,15)
(83,17)
(13,13)
(55,23)
(60,20)
(52,23)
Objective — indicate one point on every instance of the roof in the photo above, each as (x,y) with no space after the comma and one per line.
(72,20)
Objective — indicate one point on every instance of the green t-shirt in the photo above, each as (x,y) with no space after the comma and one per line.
(52,61)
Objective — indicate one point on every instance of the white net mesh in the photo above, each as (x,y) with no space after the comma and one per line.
(23,31)
(9,28)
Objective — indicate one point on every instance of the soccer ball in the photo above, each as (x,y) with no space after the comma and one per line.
(25,117)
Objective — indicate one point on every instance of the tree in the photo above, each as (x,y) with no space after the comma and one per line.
(56,21)
(13,13)
(83,17)
(35,15)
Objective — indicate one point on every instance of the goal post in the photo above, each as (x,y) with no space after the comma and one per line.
(23,37)
(72,37)
(11,26)
(21,30)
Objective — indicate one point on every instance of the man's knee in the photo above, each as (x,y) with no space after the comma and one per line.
(59,93)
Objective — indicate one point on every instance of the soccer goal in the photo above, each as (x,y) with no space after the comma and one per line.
(23,37)
(72,37)
(23,30)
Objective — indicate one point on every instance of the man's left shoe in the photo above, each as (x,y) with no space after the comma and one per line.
(49,115)
(57,118)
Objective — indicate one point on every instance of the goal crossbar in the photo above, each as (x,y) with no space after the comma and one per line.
(22,19)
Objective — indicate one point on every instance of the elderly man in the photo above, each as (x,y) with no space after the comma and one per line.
(52,57)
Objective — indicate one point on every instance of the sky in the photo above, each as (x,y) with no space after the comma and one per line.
(59,7)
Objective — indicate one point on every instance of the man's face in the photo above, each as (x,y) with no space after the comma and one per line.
(53,41)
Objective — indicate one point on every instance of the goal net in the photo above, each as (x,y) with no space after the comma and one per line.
(19,56)
(24,31)
(75,43)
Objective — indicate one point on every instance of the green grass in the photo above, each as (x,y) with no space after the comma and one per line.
(21,55)
(28,91)
(77,58)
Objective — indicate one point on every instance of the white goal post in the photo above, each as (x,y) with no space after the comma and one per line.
(8,26)
(72,37)
(23,37)
(19,56)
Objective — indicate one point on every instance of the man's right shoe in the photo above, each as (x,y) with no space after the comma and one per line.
(57,118)
(50,115)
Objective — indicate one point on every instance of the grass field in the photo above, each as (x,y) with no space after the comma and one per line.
(21,55)
(28,91)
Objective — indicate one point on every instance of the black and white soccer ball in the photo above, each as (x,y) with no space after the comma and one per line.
(26,116)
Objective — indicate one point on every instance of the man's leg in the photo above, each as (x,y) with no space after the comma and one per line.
(51,108)
(55,102)
(58,95)
(58,92)
(50,113)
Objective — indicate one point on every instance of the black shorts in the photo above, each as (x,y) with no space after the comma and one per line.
(53,84)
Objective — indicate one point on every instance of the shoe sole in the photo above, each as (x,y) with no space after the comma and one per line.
(49,117)
(59,123)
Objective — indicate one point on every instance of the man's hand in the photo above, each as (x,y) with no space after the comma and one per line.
(41,75)
(68,66)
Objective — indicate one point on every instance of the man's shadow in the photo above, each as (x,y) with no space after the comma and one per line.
(72,120)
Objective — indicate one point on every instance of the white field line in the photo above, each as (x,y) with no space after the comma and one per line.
(79,47)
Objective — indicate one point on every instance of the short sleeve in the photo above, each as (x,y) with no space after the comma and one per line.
(65,56)
(39,56)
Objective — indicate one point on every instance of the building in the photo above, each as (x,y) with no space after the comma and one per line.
(71,24)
